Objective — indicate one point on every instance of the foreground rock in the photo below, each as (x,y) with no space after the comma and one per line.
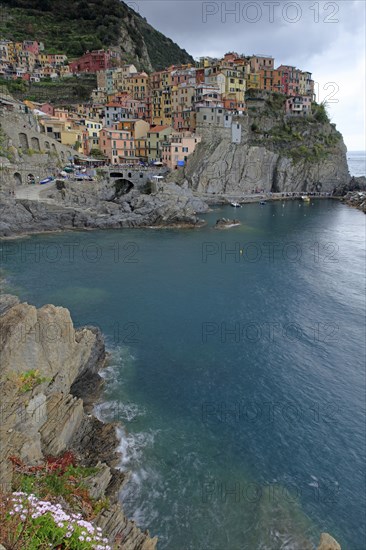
(48,418)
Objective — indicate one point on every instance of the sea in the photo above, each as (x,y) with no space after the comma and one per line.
(237,368)
(357,163)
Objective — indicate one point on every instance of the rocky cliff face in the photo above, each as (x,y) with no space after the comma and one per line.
(43,414)
(275,154)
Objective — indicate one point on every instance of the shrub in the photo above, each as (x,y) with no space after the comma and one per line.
(29,380)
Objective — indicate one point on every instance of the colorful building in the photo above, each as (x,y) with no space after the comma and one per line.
(92,62)
(298,106)
(176,150)
(155,139)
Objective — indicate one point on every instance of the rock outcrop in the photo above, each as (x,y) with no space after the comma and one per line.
(97,206)
(45,366)
(357,199)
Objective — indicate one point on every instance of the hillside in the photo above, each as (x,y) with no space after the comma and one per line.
(73,27)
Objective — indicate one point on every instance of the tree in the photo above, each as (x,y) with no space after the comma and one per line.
(97,154)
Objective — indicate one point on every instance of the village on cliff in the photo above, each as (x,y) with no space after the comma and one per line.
(137,118)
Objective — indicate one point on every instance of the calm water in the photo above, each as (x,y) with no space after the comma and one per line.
(357,163)
(237,368)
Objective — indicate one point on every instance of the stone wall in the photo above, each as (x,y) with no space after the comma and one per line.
(34,153)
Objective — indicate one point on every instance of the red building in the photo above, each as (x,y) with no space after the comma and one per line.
(91,62)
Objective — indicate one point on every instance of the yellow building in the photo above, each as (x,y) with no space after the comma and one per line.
(137,86)
(137,127)
(73,138)
(253,81)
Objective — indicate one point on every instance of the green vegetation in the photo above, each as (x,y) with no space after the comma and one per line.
(320,113)
(309,139)
(72,27)
(315,153)
(97,154)
(29,380)
(275,102)
(34,524)
(13,86)
(63,90)
(5,150)
(58,478)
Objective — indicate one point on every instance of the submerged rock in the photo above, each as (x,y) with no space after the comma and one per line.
(328,543)
(224,223)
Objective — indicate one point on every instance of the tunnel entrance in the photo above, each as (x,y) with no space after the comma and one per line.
(123,186)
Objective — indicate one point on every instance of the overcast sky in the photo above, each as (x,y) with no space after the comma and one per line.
(323,37)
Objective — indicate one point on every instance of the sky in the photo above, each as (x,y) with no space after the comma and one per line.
(323,37)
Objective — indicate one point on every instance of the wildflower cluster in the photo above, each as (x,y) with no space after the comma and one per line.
(39,524)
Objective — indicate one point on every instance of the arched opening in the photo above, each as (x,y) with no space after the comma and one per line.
(23,141)
(35,144)
(47,144)
(31,179)
(17,178)
(116,175)
(123,187)
(53,147)
(62,156)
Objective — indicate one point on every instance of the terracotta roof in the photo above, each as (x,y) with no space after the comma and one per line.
(157,129)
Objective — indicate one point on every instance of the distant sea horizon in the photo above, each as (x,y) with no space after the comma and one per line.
(357,163)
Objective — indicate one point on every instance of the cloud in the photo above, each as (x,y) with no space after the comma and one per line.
(324,37)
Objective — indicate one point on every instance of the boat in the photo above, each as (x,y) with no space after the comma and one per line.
(46,180)
(262,203)
(235,204)
(305,198)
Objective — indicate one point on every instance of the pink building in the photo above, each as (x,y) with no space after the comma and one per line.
(178,148)
(31,46)
(47,108)
(117,145)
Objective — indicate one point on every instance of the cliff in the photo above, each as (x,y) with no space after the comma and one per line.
(276,153)
(47,369)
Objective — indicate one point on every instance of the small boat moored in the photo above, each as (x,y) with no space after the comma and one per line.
(235,204)
(305,198)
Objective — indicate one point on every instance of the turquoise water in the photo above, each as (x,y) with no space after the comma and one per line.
(237,368)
